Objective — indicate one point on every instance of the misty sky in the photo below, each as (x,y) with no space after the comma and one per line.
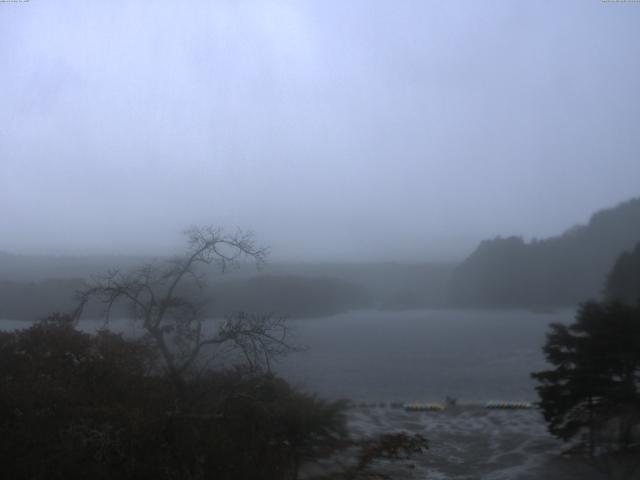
(333,129)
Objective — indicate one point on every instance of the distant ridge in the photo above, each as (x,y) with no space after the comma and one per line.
(561,270)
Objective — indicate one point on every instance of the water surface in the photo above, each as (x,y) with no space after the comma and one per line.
(474,355)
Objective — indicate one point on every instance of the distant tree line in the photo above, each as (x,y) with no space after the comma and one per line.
(35,300)
(286,295)
(289,295)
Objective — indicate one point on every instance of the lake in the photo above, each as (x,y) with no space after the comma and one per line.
(474,355)
(375,356)
(425,355)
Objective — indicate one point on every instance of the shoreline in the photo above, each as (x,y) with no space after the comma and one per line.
(468,442)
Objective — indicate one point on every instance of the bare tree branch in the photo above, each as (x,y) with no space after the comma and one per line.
(174,321)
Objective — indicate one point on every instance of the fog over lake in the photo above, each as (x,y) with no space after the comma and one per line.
(281,204)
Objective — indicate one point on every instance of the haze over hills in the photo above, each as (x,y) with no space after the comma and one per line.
(503,272)
(562,270)
(31,286)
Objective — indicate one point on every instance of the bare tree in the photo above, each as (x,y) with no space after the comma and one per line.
(161,300)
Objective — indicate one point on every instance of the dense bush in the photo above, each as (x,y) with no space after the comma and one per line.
(74,405)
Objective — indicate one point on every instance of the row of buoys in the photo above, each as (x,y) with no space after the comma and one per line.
(415,406)
(438,407)
(406,406)
(424,407)
(377,405)
(509,405)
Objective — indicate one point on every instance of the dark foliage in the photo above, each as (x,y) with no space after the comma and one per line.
(75,405)
(623,283)
(561,270)
(592,393)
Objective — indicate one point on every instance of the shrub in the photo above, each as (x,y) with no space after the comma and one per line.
(75,405)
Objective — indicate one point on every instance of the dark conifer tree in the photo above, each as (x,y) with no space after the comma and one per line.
(593,388)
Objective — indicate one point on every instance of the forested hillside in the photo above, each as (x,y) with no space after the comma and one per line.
(623,282)
(560,270)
